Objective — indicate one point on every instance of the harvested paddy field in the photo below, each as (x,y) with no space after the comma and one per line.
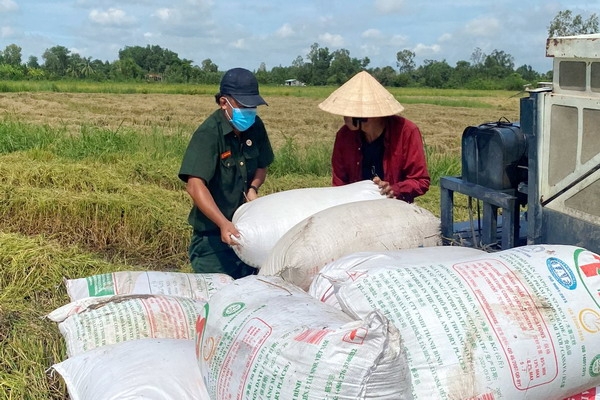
(88,185)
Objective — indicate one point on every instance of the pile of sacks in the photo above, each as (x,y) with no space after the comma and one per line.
(131,334)
(343,310)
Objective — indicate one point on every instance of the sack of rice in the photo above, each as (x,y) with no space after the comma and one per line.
(164,369)
(518,324)
(263,221)
(590,394)
(195,286)
(263,338)
(354,264)
(99,321)
(369,225)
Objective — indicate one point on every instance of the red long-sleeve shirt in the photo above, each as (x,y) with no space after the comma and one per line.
(404,162)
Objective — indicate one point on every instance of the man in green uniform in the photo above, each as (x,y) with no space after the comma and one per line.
(224,165)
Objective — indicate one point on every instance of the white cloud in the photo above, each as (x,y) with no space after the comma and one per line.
(389,6)
(6,31)
(398,40)
(372,34)
(8,5)
(422,50)
(446,37)
(200,3)
(285,31)
(369,50)
(484,26)
(331,40)
(113,16)
(239,44)
(326,19)
(164,14)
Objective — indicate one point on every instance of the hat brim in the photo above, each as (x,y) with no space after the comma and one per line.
(252,101)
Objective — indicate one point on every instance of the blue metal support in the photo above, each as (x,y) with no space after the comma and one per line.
(492,201)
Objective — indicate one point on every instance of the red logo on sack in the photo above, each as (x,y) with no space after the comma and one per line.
(354,275)
(593,268)
(357,336)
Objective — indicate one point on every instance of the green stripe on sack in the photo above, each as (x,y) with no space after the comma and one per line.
(100,285)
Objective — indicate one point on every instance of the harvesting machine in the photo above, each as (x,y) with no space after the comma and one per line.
(538,179)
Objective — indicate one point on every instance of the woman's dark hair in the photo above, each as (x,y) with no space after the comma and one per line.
(218,97)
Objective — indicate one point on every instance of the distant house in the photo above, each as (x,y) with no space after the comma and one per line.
(293,82)
(153,77)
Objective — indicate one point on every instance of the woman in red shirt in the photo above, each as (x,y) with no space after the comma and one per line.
(374,142)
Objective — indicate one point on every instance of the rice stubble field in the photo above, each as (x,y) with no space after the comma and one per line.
(88,185)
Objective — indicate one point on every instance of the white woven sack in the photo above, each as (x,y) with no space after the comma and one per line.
(369,225)
(164,369)
(517,324)
(590,394)
(263,338)
(263,221)
(353,265)
(195,286)
(99,321)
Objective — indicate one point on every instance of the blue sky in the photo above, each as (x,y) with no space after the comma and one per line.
(247,33)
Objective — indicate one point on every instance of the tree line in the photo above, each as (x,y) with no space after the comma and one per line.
(321,66)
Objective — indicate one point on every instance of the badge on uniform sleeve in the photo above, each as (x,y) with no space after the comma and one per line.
(248,142)
(225,154)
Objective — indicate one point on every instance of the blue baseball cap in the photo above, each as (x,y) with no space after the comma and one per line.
(242,85)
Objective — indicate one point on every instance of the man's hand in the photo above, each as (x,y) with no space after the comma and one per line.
(229,233)
(384,187)
(251,195)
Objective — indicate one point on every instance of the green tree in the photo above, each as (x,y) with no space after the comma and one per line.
(386,75)
(300,70)
(74,61)
(320,60)
(343,67)
(56,61)
(280,74)
(498,64)
(567,24)
(36,74)
(12,55)
(101,69)
(463,72)
(527,73)
(126,69)
(477,57)
(32,62)
(209,66)
(10,72)
(262,76)
(435,74)
(405,61)
(86,69)
(151,59)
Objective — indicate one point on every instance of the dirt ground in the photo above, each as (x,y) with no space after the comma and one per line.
(298,118)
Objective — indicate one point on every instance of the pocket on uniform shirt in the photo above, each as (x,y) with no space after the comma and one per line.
(228,173)
(251,156)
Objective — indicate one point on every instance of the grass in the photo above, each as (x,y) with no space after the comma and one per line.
(88,185)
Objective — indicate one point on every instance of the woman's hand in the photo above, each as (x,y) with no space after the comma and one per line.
(384,187)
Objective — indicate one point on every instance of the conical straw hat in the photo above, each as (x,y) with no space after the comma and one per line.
(363,97)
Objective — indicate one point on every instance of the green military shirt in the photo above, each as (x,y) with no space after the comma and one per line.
(226,162)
